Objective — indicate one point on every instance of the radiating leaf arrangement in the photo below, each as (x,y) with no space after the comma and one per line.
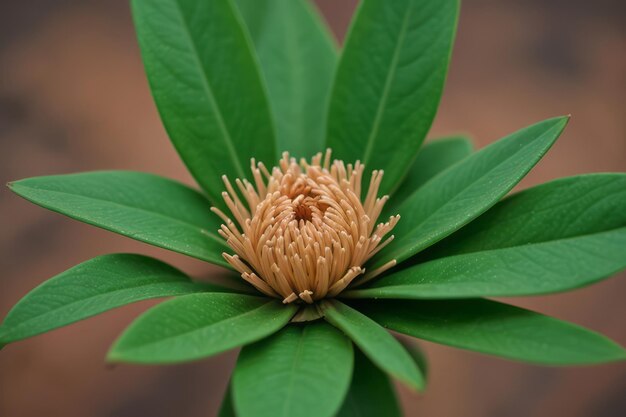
(249,79)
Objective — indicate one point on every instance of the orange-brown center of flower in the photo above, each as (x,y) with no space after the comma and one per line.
(301,232)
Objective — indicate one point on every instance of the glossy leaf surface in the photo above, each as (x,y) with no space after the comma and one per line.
(302,371)
(560,209)
(532,269)
(207,86)
(376,342)
(494,328)
(371,393)
(432,158)
(199,325)
(389,83)
(451,200)
(298,58)
(144,207)
(95,286)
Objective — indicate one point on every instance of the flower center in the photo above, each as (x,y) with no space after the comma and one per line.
(303,233)
(304,211)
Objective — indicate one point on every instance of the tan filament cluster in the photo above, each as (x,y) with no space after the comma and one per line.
(302,232)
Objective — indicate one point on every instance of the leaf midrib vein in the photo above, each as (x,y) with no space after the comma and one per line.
(481,177)
(387,87)
(292,374)
(100,295)
(202,230)
(380,285)
(209,92)
(201,328)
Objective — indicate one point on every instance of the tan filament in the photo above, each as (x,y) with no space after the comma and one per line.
(301,232)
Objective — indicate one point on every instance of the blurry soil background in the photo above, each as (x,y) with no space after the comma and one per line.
(73,97)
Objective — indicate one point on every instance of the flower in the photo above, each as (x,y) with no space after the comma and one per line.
(233,84)
(303,232)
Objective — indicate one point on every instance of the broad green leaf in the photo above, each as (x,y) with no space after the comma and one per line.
(453,198)
(199,325)
(298,56)
(301,371)
(389,82)
(494,328)
(371,393)
(144,207)
(207,86)
(564,208)
(376,342)
(431,159)
(90,288)
(226,409)
(532,269)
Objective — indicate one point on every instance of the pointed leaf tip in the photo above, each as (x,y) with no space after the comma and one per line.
(467,189)
(375,342)
(145,207)
(91,288)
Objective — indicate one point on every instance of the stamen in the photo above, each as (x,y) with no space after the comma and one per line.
(302,233)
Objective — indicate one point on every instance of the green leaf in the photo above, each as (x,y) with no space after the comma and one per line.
(371,393)
(93,287)
(207,87)
(564,208)
(431,159)
(226,409)
(532,269)
(557,236)
(301,371)
(459,194)
(389,83)
(418,355)
(494,328)
(199,325)
(144,207)
(298,57)
(378,344)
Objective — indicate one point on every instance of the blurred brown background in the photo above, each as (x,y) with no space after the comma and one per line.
(73,97)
